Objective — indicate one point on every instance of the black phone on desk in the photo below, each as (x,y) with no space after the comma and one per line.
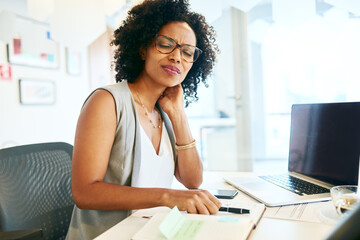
(224,193)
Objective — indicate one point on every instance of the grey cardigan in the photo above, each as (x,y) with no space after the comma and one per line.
(124,164)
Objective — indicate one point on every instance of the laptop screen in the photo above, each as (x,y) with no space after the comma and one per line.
(325,141)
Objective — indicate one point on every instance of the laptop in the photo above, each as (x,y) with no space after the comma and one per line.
(324,151)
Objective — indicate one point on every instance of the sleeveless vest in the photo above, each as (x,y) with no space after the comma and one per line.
(124,164)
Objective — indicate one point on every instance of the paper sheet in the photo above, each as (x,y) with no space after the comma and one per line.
(320,212)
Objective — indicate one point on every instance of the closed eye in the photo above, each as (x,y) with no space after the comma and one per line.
(187,53)
(164,45)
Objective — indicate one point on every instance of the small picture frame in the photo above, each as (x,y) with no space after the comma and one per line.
(36,92)
(73,61)
(33,46)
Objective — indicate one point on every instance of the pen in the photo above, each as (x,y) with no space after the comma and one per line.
(234,210)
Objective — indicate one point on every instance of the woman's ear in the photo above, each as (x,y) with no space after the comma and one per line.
(142,53)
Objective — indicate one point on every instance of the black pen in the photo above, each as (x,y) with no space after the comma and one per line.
(234,210)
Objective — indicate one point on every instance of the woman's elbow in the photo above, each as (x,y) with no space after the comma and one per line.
(81,196)
(194,183)
(79,199)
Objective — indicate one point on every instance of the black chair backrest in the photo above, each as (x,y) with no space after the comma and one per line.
(35,188)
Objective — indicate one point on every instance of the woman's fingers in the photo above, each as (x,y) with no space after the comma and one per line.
(198,201)
(191,207)
(172,98)
(201,204)
(214,199)
(211,203)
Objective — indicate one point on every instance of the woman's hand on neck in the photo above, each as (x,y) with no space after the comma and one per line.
(172,101)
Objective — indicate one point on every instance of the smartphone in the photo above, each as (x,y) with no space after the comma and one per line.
(224,193)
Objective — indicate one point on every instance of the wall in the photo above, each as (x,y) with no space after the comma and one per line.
(23,124)
(224,68)
(101,54)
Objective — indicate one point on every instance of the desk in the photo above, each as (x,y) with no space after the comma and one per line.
(268,228)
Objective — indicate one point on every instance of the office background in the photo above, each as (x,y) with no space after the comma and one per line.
(273,53)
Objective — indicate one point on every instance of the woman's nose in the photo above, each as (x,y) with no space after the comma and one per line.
(175,56)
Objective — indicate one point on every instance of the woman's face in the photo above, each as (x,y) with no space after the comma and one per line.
(170,69)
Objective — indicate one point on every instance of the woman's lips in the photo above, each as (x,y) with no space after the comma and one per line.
(171,69)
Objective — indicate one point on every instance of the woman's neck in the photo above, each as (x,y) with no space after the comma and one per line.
(145,93)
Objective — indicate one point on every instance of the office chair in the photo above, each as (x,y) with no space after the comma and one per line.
(35,191)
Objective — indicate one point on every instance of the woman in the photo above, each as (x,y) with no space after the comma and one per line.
(133,136)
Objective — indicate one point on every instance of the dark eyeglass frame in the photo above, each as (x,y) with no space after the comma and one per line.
(197,50)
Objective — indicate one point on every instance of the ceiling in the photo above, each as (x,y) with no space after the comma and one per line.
(77,22)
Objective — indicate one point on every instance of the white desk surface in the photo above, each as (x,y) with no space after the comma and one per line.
(268,228)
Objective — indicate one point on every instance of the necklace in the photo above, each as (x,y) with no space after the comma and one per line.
(146,113)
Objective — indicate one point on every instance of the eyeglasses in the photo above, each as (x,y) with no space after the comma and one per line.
(167,45)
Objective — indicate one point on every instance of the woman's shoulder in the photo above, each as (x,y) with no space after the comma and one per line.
(120,91)
(117,87)
(118,95)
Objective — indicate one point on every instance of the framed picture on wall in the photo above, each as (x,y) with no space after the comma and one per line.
(36,92)
(73,61)
(32,45)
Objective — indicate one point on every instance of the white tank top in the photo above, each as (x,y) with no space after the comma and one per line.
(156,170)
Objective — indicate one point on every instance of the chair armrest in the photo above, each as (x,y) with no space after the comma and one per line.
(28,234)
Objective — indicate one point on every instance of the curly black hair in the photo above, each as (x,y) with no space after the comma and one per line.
(139,29)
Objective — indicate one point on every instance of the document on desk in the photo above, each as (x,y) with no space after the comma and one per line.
(177,225)
(309,212)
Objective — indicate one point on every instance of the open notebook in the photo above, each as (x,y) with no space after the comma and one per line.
(324,151)
(177,225)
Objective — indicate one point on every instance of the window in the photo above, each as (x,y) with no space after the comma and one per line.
(301,51)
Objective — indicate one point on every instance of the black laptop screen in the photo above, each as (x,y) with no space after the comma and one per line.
(325,141)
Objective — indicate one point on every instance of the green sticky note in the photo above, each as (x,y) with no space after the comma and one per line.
(188,230)
(176,227)
(172,223)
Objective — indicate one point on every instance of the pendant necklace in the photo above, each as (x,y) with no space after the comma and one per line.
(146,112)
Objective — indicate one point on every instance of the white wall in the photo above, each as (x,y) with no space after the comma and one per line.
(23,124)
(224,68)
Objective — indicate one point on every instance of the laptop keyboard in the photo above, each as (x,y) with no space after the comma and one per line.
(295,185)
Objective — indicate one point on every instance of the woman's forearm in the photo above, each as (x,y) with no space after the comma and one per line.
(108,196)
(189,167)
